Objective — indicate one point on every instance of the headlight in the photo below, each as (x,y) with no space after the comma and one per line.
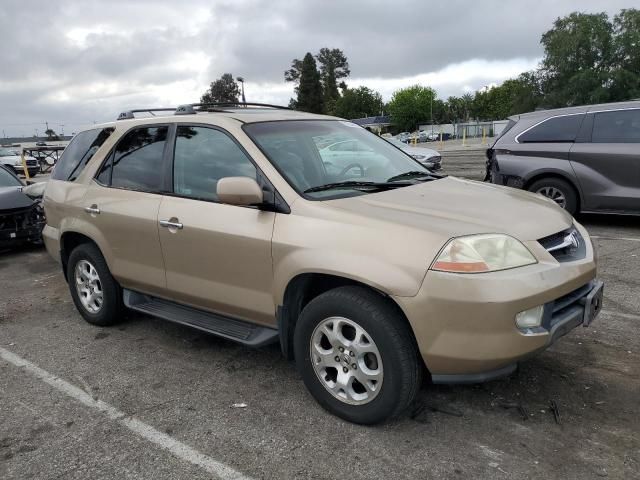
(435,159)
(483,253)
(18,163)
(419,157)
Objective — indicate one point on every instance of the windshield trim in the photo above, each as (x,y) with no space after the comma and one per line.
(340,193)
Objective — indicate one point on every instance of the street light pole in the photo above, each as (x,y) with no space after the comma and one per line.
(241,80)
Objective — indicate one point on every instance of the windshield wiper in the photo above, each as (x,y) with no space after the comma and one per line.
(357,184)
(414,174)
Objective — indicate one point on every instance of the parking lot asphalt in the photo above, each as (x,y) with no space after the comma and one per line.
(150,399)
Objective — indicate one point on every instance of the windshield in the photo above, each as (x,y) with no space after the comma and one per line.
(6,152)
(8,180)
(316,153)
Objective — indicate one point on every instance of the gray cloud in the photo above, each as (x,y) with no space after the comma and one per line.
(75,62)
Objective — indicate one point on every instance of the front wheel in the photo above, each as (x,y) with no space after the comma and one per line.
(357,356)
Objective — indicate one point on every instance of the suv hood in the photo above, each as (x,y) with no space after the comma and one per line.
(453,207)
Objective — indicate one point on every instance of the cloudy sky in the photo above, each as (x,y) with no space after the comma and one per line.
(75,62)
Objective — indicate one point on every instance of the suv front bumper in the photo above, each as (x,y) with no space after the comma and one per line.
(465,324)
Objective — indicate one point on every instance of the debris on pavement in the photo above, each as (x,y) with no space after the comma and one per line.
(239,405)
(553,406)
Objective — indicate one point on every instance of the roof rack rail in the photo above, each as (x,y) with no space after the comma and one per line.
(211,107)
(192,108)
(129,114)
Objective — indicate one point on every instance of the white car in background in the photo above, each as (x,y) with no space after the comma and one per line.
(11,157)
(426,156)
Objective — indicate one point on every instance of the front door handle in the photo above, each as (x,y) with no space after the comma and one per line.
(93,209)
(171,224)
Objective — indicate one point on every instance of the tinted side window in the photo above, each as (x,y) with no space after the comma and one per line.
(202,157)
(622,126)
(78,153)
(557,129)
(137,160)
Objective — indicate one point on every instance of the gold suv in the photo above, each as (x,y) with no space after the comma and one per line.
(368,269)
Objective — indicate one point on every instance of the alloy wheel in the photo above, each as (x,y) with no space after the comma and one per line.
(89,286)
(554,194)
(346,360)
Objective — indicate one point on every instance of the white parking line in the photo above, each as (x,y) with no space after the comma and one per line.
(162,440)
(625,239)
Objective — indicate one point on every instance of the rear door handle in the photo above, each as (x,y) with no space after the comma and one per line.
(170,224)
(93,209)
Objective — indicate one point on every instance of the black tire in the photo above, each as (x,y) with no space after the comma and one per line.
(568,191)
(112,308)
(402,367)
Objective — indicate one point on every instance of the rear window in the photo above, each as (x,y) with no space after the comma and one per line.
(553,130)
(137,161)
(78,153)
(621,126)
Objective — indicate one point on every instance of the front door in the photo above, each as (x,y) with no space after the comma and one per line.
(217,256)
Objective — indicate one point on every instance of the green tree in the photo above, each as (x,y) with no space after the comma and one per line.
(625,81)
(310,97)
(358,102)
(223,90)
(410,106)
(333,67)
(579,51)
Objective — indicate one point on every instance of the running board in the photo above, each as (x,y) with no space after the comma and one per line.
(232,329)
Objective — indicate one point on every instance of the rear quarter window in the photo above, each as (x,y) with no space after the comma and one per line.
(78,153)
(620,126)
(553,130)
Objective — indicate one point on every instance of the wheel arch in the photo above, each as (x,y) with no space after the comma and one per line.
(69,240)
(303,288)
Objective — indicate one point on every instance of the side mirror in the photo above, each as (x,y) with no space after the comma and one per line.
(241,191)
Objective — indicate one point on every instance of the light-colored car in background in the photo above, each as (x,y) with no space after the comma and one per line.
(426,156)
(227,219)
(11,157)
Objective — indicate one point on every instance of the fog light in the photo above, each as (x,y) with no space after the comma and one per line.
(530,318)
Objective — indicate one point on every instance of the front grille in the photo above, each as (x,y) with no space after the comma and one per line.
(558,309)
(565,246)
(32,163)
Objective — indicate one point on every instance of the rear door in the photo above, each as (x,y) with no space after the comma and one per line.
(218,258)
(607,162)
(122,205)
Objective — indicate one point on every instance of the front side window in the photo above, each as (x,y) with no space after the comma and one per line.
(308,153)
(78,153)
(621,126)
(137,162)
(202,157)
(554,130)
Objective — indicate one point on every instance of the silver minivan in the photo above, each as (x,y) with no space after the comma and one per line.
(587,159)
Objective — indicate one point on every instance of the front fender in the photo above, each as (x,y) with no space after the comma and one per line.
(368,270)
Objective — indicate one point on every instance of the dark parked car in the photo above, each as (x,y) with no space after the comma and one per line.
(21,214)
(584,158)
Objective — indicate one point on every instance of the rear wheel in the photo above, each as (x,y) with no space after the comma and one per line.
(558,190)
(95,293)
(357,356)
